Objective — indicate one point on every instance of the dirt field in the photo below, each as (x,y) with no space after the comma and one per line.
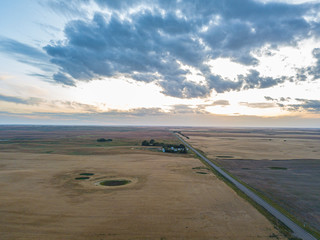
(168,198)
(256,144)
(282,164)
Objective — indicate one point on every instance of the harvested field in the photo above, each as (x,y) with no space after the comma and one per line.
(281,164)
(78,140)
(257,148)
(294,187)
(41,200)
(165,199)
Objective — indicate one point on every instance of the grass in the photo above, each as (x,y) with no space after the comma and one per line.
(114,182)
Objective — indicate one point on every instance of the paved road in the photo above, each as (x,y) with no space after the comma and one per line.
(297,230)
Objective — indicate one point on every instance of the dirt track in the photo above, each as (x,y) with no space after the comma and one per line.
(40,199)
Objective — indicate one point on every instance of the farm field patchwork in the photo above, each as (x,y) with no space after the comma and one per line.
(124,192)
(281,164)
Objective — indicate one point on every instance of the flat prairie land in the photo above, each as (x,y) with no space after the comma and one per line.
(169,196)
(281,164)
(78,140)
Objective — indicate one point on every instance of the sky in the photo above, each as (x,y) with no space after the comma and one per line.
(248,63)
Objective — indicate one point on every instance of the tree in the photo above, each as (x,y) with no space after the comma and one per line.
(182,146)
(101,140)
(145,143)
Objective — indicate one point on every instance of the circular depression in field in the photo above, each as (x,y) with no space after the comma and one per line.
(114,182)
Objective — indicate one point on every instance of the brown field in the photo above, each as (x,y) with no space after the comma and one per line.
(168,196)
(77,140)
(282,164)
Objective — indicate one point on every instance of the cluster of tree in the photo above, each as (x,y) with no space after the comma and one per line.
(152,142)
(174,148)
(104,140)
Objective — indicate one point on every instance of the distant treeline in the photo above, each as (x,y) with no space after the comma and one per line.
(104,140)
(181,134)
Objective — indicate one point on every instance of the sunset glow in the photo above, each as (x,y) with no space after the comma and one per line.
(181,63)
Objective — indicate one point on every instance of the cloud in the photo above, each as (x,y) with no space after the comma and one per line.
(221,103)
(269,98)
(307,105)
(258,105)
(314,71)
(186,109)
(67,8)
(28,101)
(64,79)
(141,112)
(11,46)
(254,80)
(303,105)
(152,41)
(158,119)
(281,99)
(25,53)
(156,39)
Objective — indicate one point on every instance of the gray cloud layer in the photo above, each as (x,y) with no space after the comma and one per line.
(303,105)
(307,105)
(29,101)
(25,53)
(150,43)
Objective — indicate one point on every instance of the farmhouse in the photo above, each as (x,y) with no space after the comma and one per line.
(175,149)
